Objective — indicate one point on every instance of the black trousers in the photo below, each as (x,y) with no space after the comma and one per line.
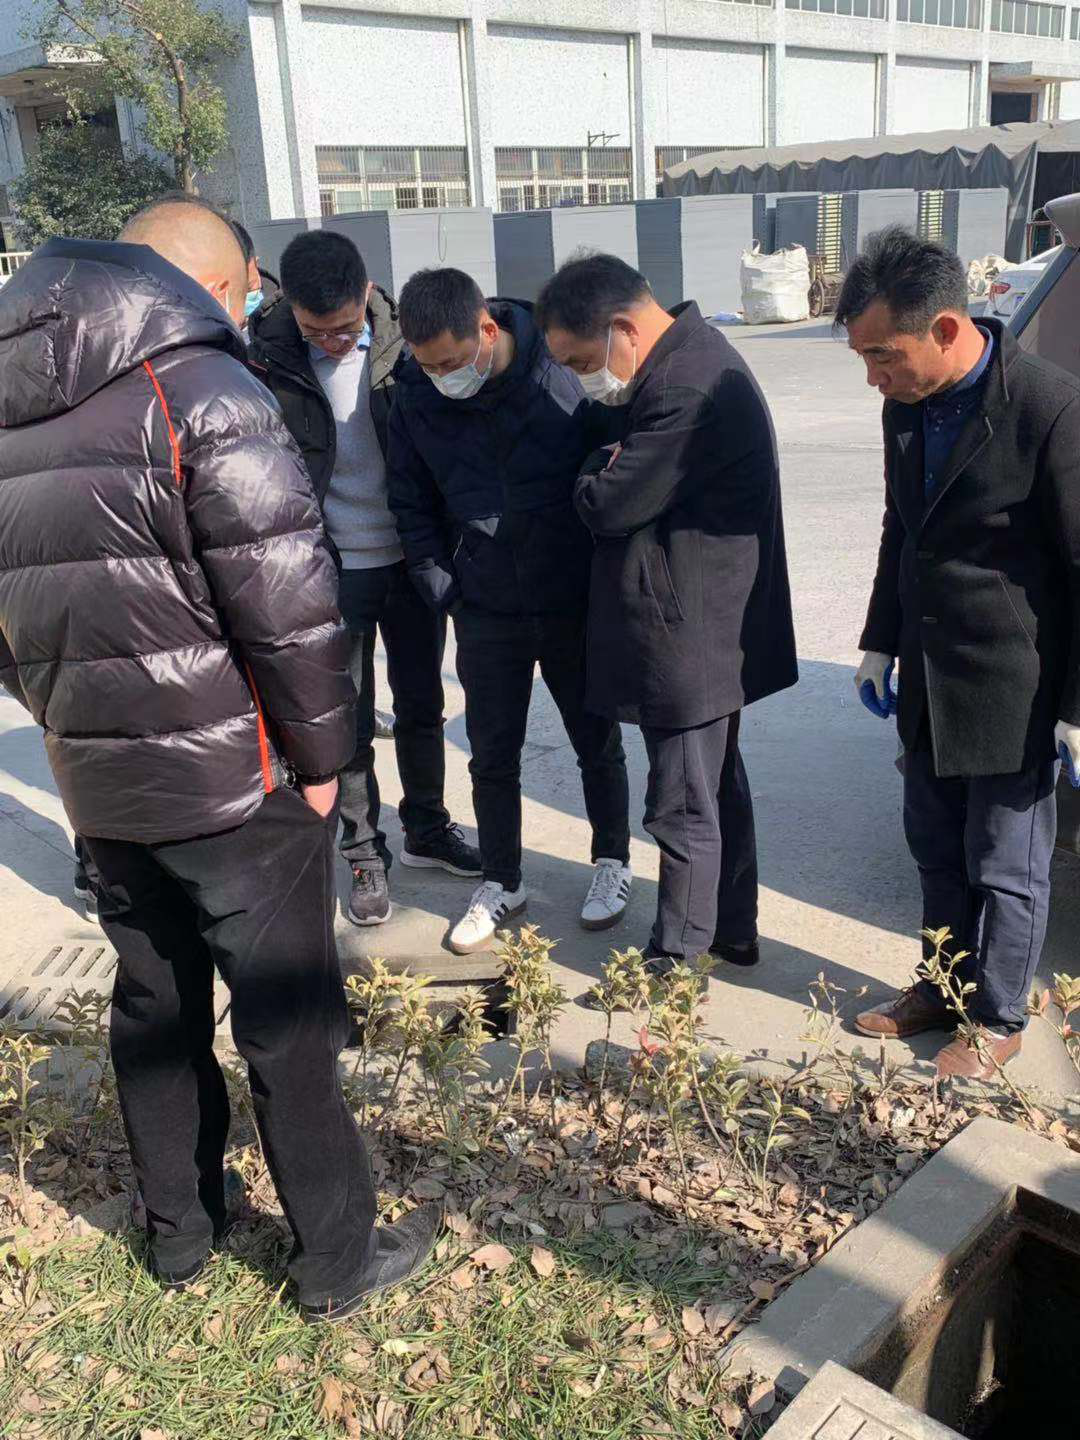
(496,657)
(983,847)
(699,811)
(415,638)
(256,902)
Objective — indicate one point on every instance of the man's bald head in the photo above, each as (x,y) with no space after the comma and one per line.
(192,236)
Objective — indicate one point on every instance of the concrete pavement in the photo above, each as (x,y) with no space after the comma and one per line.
(839,890)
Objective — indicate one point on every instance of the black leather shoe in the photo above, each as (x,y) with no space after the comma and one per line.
(399,1251)
(369,903)
(449,851)
(181,1280)
(660,966)
(745,955)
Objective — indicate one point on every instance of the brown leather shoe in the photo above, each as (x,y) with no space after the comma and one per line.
(912,1012)
(960,1058)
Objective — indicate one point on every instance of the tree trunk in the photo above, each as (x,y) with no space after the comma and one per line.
(184,176)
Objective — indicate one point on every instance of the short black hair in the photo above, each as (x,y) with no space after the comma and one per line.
(434,301)
(247,245)
(587,291)
(917,279)
(322,270)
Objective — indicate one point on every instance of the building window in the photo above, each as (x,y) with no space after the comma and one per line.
(931,214)
(1027,17)
(1074,25)
(397,177)
(548,177)
(959,14)
(862,9)
(668,155)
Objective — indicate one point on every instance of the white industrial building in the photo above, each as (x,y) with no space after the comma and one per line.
(519,104)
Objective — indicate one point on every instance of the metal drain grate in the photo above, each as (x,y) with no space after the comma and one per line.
(31,992)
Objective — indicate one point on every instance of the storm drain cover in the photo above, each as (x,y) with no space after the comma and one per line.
(839,1405)
(32,991)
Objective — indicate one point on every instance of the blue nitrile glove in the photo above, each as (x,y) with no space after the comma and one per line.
(873,682)
(1067,739)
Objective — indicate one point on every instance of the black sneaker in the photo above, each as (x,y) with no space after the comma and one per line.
(399,1250)
(448,851)
(746,954)
(84,891)
(369,903)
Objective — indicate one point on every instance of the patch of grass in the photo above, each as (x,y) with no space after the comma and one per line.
(101,1353)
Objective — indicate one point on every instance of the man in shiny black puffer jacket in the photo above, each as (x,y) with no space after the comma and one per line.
(168,616)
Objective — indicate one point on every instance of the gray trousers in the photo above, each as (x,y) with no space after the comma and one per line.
(699,811)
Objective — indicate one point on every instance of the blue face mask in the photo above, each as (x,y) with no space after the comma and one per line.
(252,302)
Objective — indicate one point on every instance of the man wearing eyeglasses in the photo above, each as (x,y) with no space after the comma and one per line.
(327,350)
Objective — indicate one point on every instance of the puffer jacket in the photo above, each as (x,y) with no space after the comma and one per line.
(168,607)
(482,489)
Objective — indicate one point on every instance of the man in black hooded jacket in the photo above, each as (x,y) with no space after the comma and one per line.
(486,437)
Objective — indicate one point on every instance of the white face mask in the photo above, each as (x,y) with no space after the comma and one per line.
(463,383)
(602,384)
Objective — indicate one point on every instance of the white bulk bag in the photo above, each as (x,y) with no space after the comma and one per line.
(775,288)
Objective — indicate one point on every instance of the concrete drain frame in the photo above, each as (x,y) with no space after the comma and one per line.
(958,1303)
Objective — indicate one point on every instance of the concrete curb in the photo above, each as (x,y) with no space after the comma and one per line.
(891,1264)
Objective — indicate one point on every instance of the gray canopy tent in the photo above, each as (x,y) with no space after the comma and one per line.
(982,158)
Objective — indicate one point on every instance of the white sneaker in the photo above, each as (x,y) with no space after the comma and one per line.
(608,895)
(489,907)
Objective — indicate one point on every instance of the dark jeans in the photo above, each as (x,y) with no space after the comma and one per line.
(414,637)
(699,811)
(257,903)
(983,847)
(496,658)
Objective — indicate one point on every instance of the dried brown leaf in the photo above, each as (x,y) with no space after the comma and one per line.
(331,1399)
(719,1317)
(421,1374)
(731,1414)
(693,1321)
(762,1398)
(463,1278)
(428,1189)
(496,1258)
(389,1416)
(542,1261)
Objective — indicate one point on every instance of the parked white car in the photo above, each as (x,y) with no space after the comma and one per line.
(1014,282)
